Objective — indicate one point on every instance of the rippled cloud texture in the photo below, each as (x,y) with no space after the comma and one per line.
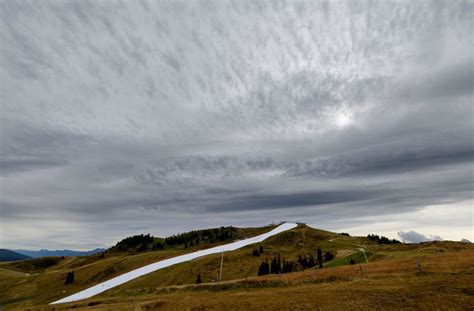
(162,116)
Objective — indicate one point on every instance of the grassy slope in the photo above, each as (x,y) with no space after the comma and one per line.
(443,284)
(392,275)
(40,282)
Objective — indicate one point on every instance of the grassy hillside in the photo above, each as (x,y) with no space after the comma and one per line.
(241,263)
(41,280)
(389,284)
(391,272)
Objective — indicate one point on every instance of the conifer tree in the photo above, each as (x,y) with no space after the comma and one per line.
(198,279)
(263,269)
(273,265)
(320,258)
(278,267)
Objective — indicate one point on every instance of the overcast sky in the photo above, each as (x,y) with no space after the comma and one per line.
(163,116)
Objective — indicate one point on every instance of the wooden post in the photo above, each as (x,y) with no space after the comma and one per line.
(222,262)
(363,252)
(418,265)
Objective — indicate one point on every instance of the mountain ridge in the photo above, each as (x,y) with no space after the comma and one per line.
(57,253)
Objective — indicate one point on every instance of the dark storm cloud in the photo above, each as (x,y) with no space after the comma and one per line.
(265,202)
(122,116)
(398,159)
(26,164)
(27,147)
(458,81)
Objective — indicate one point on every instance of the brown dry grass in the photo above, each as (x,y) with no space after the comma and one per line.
(445,282)
(391,282)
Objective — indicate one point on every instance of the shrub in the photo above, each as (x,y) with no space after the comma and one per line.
(328,256)
(69,278)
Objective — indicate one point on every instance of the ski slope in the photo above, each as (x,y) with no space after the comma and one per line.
(121,279)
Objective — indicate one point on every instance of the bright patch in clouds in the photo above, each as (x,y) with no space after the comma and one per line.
(343,119)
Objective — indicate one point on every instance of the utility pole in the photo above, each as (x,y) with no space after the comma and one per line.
(222,262)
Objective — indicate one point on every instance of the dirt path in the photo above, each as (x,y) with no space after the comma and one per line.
(18,273)
(361,248)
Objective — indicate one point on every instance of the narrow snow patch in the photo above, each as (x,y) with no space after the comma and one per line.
(121,279)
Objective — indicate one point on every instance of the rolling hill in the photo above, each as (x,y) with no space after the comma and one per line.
(8,255)
(415,276)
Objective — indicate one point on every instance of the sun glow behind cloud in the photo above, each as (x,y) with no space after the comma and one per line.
(343,119)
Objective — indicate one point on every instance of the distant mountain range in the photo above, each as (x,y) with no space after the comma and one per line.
(64,252)
(8,255)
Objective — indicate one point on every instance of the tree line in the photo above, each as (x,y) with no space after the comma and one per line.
(278,265)
(196,237)
(145,242)
(137,243)
(382,239)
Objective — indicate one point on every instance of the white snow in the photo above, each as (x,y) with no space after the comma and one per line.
(119,280)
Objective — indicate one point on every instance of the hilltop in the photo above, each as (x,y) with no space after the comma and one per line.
(392,269)
(193,239)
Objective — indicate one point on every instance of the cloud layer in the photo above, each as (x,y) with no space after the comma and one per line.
(123,117)
(415,237)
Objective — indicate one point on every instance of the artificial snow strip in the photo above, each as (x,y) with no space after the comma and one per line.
(121,279)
